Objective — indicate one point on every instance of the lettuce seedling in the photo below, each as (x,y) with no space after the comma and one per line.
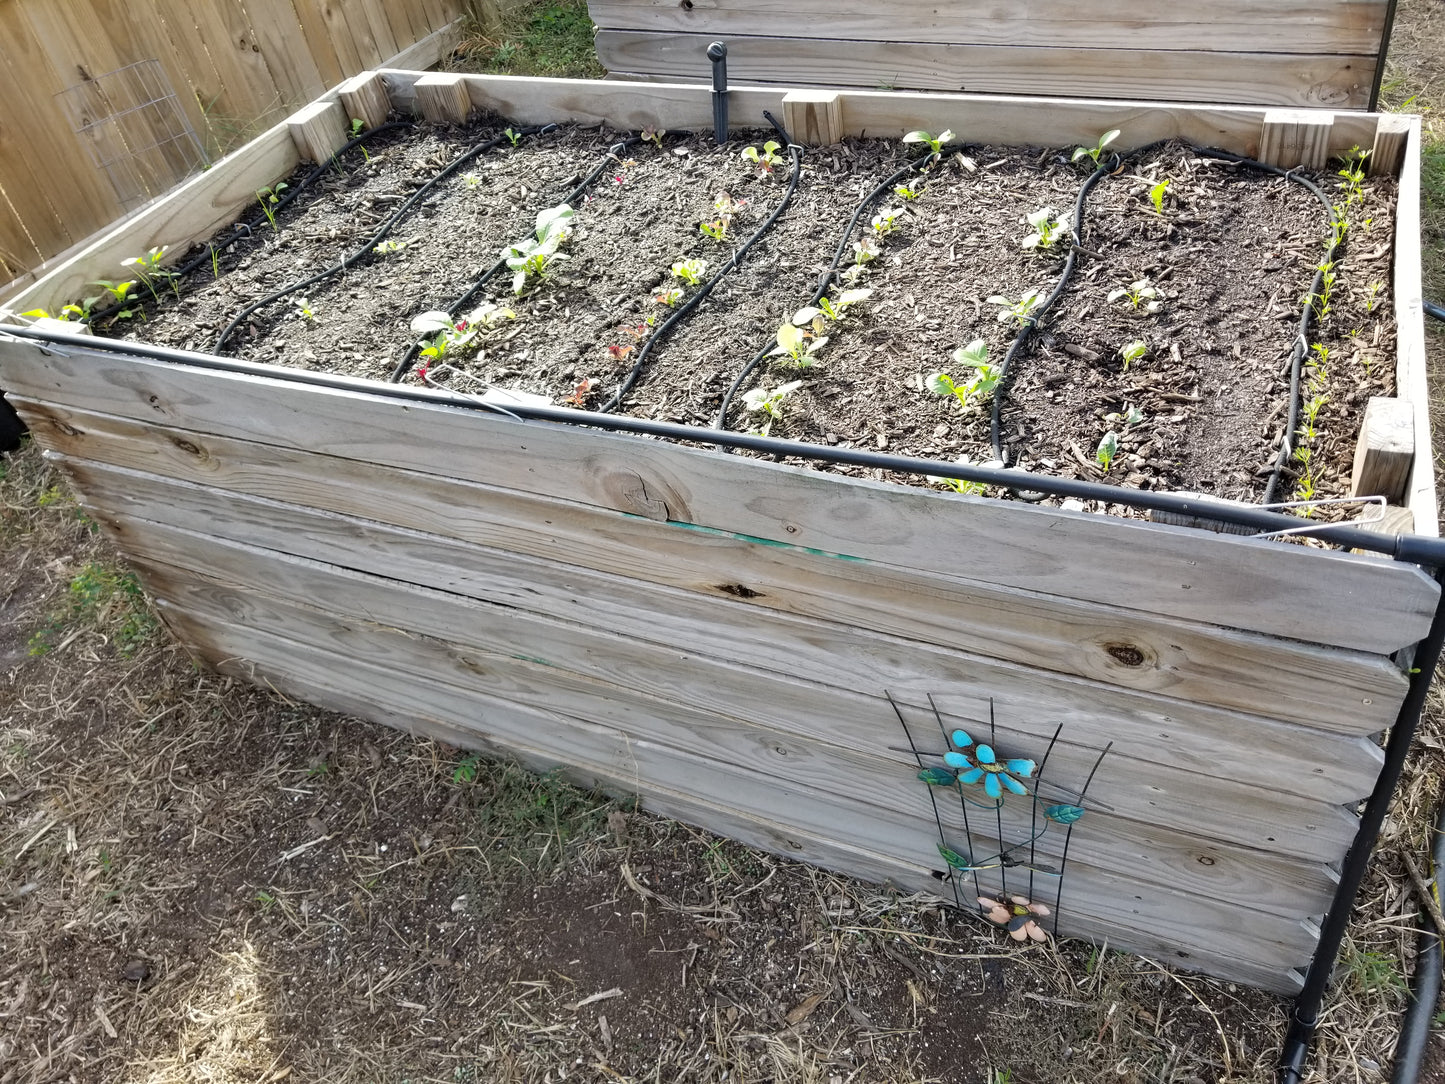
(1107,450)
(798,345)
(1019,311)
(886,220)
(767,159)
(1140,294)
(1049,227)
(669,296)
(1156,195)
(513,136)
(829,309)
(654,135)
(268,198)
(762,401)
(717,229)
(445,335)
(388,248)
(1132,352)
(903,192)
(985,376)
(958,485)
(122,293)
(690,271)
(532,257)
(1097,150)
(935,146)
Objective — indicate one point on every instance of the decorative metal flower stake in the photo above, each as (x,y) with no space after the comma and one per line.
(1017,914)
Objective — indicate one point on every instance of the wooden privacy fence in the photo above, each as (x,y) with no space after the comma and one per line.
(1259,52)
(235,66)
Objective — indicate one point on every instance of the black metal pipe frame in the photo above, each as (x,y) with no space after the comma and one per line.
(1425,985)
(1413,549)
(1380,60)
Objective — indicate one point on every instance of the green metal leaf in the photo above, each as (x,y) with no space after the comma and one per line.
(937,777)
(1064,814)
(954,859)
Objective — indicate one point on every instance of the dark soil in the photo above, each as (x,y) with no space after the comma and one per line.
(1230,253)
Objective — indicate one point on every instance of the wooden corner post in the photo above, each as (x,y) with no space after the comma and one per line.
(319,130)
(814,118)
(443,98)
(364,97)
(1295,137)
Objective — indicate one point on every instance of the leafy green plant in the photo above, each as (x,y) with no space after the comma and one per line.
(104,598)
(798,345)
(1096,152)
(654,135)
(471,180)
(1156,195)
(1353,175)
(717,229)
(466,770)
(357,126)
(303,308)
(958,485)
(269,197)
(765,160)
(443,335)
(513,136)
(1372,295)
(689,271)
(148,269)
(1107,450)
(1049,227)
(769,403)
(1140,293)
(1132,352)
(830,309)
(903,192)
(886,221)
(532,257)
(866,250)
(669,296)
(1019,311)
(935,146)
(985,376)
(388,248)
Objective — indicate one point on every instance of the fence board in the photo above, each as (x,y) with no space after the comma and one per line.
(1314,26)
(1181,573)
(279,37)
(1334,690)
(1192,927)
(1247,78)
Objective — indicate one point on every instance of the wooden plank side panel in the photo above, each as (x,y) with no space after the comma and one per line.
(1248,78)
(1183,574)
(883,785)
(1208,932)
(974,118)
(1332,689)
(1326,26)
(1412,366)
(1284,800)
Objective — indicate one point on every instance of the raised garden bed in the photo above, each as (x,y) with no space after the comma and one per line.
(770,650)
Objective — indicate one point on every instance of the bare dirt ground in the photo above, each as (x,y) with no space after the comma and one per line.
(202,881)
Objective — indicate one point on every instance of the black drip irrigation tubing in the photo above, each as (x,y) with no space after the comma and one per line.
(364,250)
(825,280)
(692,303)
(240,230)
(1425,984)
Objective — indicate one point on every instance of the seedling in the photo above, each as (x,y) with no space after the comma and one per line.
(148,268)
(762,401)
(765,160)
(829,309)
(935,146)
(389,248)
(1132,352)
(903,192)
(669,296)
(1140,293)
(1353,175)
(532,257)
(866,250)
(1097,150)
(1372,295)
(985,376)
(717,229)
(690,271)
(513,136)
(958,485)
(1156,195)
(578,398)
(799,345)
(357,126)
(886,221)
(269,197)
(654,135)
(1131,417)
(303,308)
(1019,311)
(471,180)
(444,335)
(1049,227)
(619,353)
(1107,450)
(122,293)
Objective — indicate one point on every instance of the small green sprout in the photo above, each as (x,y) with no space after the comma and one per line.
(1049,227)
(122,293)
(269,197)
(669,296)
(985,376)
(958,485)
(690,271)
(830,309)
(357,126)
(762,401)
(1156,195)
(654,135)
(303,308)
(471,180)
(886,220)
(865,251)
(765,160)
(1097,150)
(903,192)
(798,345)
(1131,417)
(1107,450)
(513,136)
(1140,293)
(1019,311)
(1132,352)
(532,257)
(445,335)
(389,248)
(148,268)
(1372,295)
(466,770)
(717,229)
(935,146)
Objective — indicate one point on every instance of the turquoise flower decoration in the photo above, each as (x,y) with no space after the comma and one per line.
(985,766)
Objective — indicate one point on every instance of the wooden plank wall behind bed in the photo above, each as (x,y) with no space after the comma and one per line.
(718,633)
(1276,52)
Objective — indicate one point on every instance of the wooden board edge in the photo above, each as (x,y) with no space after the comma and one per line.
(1412,359)
(429,50)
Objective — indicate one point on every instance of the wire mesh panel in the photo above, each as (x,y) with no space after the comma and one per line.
(134,129)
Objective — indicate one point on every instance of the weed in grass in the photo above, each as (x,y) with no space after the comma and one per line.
(104,598)
(1373,972)
(534,820)
(547,38)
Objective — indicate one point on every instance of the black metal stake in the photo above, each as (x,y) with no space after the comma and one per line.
(717,52)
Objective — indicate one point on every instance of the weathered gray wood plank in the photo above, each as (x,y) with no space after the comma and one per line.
(1328,688)
(1178,572)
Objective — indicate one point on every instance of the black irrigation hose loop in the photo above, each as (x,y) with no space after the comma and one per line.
(240,230)
(409,356)
(825,279)
(692,303)
(364,250)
